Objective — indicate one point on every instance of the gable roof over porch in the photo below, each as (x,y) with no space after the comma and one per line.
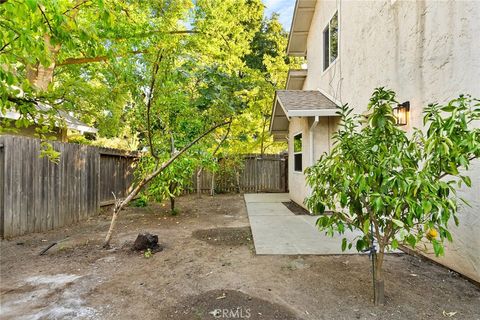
(298,103)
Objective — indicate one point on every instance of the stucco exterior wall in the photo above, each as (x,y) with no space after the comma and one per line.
(321,143)
(426,52)
(296,180)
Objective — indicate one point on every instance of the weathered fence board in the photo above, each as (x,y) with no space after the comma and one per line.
(116,176)
(37,194)
(267,173)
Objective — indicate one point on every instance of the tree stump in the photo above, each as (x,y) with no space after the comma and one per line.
(146,241)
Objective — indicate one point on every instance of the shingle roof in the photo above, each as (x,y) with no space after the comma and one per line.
(298,103)
(304,100)
(70,121)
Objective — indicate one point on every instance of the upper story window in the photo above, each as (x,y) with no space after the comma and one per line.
(330,42)
(297,152)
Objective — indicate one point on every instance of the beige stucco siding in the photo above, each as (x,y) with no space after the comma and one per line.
(296,180)
(322,142)
(426,52)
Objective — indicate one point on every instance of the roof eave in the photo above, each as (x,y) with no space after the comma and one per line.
(276,101)
(295,74)
(313,113)
(303,12)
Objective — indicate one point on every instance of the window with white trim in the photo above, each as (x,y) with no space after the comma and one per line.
(330,42)
(297,152)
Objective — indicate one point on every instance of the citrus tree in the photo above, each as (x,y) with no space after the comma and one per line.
(394,187)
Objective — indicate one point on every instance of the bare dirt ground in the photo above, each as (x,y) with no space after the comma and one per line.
(208,270)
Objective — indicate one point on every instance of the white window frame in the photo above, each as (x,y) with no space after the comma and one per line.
(330,63)
(300,152)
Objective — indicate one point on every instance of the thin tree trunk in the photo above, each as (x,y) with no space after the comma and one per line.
(262,146)
(212,185)
(171,188)
(121,204)
(379,278)
(172,185)
(199,182)
(237,178)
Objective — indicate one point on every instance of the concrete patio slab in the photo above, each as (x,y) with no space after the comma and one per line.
(266,197)
(276,230)
(268,209)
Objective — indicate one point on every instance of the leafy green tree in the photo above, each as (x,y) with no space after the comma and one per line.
(173,181)
(393,187)
(267,68)
(82,56)
(133,70)
(197,85)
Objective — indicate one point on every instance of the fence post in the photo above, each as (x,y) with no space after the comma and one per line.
(255,163)
(2,183)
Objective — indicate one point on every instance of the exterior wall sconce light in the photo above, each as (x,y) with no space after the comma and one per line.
(401,113)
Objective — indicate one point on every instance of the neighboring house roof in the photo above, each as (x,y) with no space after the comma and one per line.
(70,121)
(295,79)
(302,18)
(298,103)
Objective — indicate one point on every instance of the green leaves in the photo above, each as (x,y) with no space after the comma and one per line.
(403,185)
(438,248)
(366,227)
(32,4)
(427,206)
(398,223)
(319,208)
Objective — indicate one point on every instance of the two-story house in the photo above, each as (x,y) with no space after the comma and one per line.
(426,51)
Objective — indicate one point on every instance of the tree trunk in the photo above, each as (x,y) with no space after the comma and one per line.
(237,178)
(172,204)
(41,76)
(262,145)
(171,188)
(379,284)
(199,182)
(212,185)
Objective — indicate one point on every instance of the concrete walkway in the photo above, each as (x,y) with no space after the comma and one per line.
(277,230)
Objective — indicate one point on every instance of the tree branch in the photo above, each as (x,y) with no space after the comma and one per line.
(8,43)
(443,175)
(83,60)
(76,6)
(46,19)
(156,67)
(149,177)
(147,34)
(223,139)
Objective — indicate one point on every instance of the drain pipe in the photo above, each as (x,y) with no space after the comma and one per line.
(312,144)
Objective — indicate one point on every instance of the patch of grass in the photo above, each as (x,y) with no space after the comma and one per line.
(141,202)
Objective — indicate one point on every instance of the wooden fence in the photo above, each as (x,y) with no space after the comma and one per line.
(37,194)
(256,173)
